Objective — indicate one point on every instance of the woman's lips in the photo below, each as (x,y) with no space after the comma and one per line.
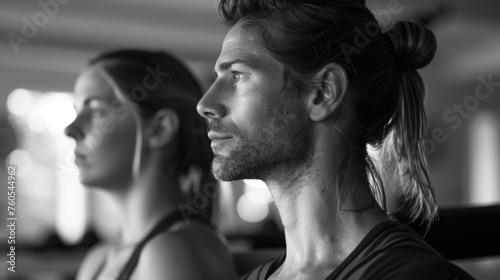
(79,158)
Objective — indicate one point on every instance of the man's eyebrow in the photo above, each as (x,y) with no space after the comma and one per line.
(227,64)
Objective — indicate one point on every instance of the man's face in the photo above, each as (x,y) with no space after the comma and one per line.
(255,129)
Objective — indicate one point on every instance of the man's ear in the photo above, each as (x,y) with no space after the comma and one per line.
(162,128)
(329,95)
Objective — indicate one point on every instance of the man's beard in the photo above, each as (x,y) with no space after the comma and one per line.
(264,153)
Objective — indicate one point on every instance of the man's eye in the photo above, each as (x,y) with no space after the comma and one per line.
(237,76)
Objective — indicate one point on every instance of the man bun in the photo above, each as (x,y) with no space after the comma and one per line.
(413,45)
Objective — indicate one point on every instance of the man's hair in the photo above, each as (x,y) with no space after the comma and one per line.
(382,66)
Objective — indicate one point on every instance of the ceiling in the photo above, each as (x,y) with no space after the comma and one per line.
(468,32)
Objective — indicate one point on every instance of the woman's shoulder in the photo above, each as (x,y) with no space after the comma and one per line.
(93,261)
(196,236)
(192,251)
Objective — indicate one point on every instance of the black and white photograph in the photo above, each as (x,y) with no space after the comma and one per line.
(249,139)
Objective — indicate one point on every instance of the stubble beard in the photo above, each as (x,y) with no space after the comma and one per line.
(264,155)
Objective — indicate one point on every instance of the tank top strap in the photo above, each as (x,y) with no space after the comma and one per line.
(167,222)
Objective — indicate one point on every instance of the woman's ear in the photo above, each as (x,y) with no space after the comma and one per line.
(163,128)
(328,97)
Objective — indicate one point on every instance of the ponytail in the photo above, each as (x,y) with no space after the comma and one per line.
(413,47)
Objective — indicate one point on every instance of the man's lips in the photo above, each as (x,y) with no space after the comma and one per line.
(218,139)
(219,142)
(216,136)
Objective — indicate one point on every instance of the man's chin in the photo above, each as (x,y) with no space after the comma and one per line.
(226,169)
(220,169)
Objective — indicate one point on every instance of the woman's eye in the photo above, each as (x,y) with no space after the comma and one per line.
(95,113)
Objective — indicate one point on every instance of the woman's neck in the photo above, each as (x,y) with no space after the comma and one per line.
(148,199)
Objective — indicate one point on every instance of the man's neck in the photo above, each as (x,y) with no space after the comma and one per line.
(322,224)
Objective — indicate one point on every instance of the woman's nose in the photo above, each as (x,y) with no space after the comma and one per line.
(73,130)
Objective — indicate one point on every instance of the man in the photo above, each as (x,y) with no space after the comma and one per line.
(289,108)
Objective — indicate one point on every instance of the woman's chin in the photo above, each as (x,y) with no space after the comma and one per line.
(89,182)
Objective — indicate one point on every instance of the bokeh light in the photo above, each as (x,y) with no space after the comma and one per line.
(22,160)
(253,205)
(258,187)
(36,121)
(70,210)
(58,112)
(19,101)
(485,161)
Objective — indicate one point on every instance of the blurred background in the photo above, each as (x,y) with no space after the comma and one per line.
(44,45)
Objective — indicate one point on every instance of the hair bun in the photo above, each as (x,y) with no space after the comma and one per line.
(413,45)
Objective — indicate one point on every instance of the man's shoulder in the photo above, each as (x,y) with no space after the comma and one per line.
(262,271)
(412,266)
(400,253)
(394,251)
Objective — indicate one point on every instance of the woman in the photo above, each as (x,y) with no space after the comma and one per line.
(138,137)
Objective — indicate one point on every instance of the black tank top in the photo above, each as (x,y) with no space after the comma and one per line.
(167,222)
(389,251)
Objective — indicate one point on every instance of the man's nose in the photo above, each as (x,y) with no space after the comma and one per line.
(210,105)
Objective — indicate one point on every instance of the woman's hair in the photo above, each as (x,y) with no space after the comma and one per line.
(389,103)
(157,80)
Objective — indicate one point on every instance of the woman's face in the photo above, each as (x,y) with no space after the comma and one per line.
(104,131)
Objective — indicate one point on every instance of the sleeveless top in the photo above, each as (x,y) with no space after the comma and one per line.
(165,224)
(389,251)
